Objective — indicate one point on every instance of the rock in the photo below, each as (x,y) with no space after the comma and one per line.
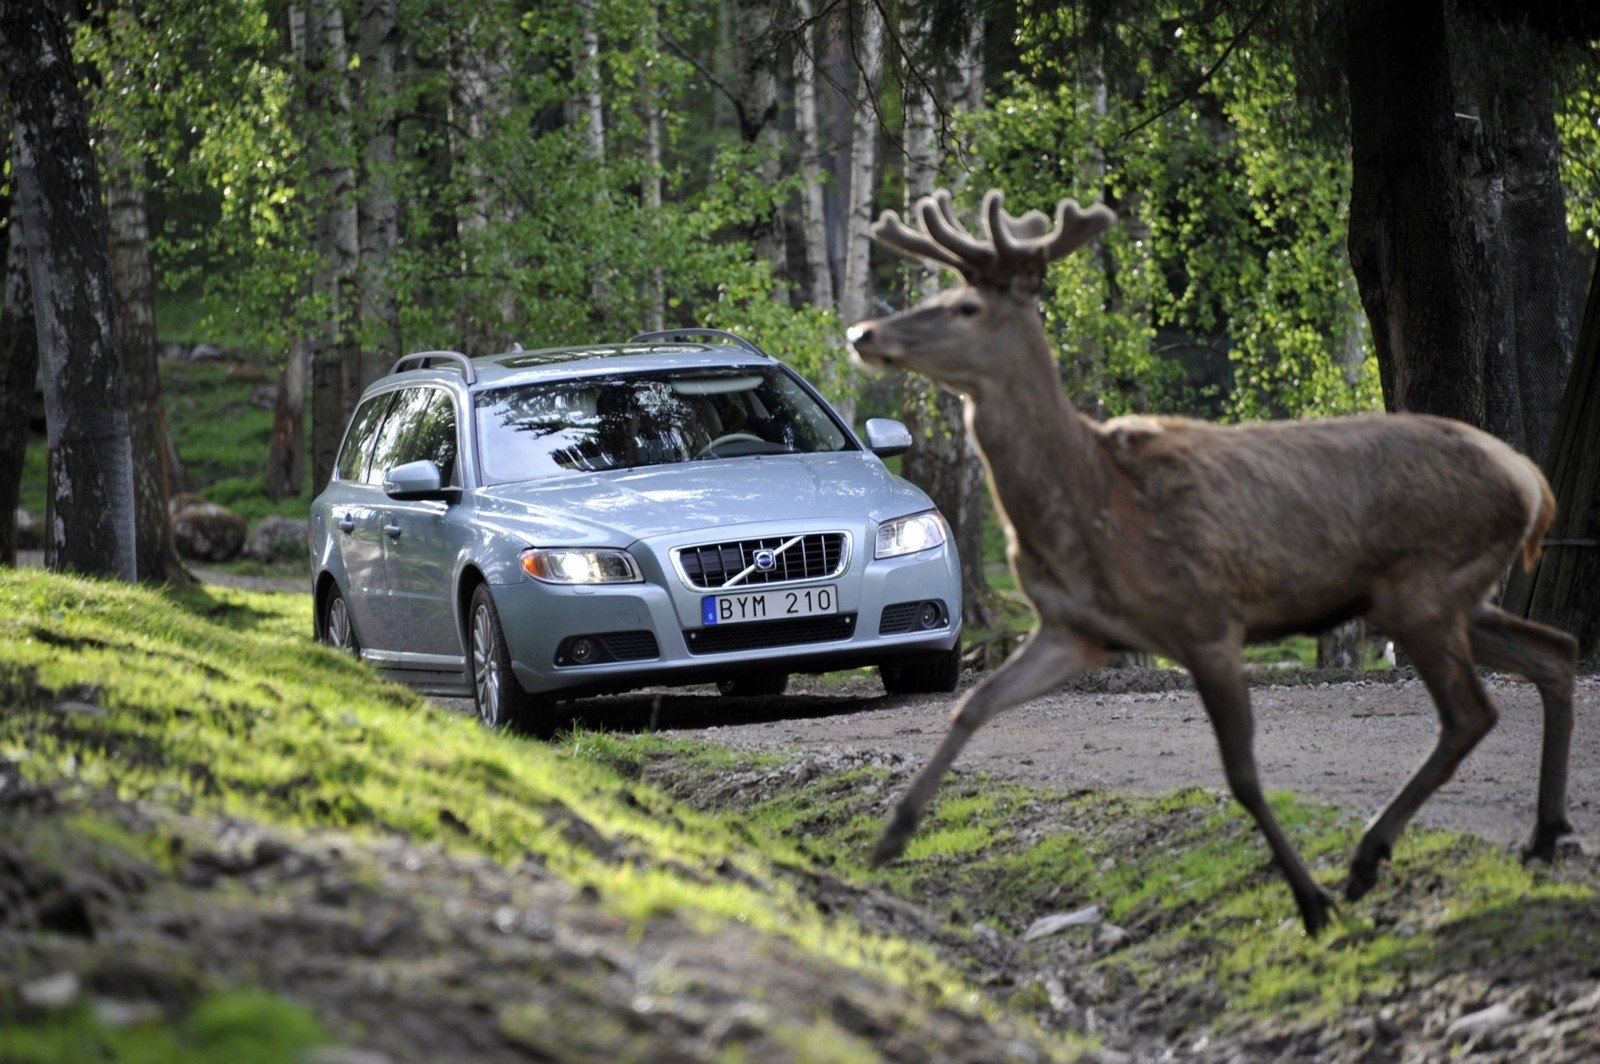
(1058,922)
(204,531)
(343,1055)
(203,352)
(1109,938)
(52,992)
(264,397)
(279,539)
(1476,1024)
(30,531)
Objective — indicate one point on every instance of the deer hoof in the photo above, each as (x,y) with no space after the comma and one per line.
(1316,909)
(892,843)
(1364,872)
(1542,847)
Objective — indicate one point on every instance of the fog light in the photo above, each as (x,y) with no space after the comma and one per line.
(929,615)
(582,651)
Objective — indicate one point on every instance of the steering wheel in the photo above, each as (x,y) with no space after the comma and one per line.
(732,437)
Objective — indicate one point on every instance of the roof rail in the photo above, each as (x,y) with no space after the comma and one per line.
(424,359)
(682,336)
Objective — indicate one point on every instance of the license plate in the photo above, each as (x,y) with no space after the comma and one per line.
(769,605)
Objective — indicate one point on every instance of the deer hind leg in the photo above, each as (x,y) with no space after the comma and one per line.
(1047,658)
(1220,679)
(1546,657)
(1465,716)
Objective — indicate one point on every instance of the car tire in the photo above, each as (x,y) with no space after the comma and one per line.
(755,685)
(924,674)
(500,700)
(338,630)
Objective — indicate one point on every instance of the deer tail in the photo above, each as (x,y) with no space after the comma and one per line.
(1539,524)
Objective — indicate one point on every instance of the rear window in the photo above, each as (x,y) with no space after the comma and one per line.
(628,421)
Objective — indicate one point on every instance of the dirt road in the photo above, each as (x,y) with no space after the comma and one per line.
(1349,744)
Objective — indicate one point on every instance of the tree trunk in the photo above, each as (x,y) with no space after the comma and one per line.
(335,364)
(943,460)
(856,291)
(19,369)
(64,229)
(1505,81)
(1412,235)
(286,455)
(813,212)
(134,284)
(758,114)
(655,313)
(378,216)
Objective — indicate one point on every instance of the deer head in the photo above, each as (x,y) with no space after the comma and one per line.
(949,337)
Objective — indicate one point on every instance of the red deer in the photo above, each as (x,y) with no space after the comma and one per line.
(1190,539)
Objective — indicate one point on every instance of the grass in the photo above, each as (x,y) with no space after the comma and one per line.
(1215,931)
(217,702)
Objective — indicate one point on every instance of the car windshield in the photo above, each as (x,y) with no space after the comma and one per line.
(625,421)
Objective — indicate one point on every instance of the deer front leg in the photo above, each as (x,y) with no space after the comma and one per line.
(1219,676)
(1465,716)
(1547,658)
(1047,658)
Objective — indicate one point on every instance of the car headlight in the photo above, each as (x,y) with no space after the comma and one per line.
(907,535)
(567,566)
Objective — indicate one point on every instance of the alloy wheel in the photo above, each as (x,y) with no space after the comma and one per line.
(486,677)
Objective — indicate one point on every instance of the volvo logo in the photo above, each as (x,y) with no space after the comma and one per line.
(766,560)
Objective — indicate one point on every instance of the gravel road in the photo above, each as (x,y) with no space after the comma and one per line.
(1349,744)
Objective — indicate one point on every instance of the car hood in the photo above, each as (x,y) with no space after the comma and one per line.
(617,508)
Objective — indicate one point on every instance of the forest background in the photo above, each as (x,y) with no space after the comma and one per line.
(1327,206)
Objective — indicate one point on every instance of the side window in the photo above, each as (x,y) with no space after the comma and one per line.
(357,449)
(434,437)
(388,449)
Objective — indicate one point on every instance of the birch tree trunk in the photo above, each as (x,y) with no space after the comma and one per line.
(758,112)
(813,212)
(378,216)
(286,453)
(335,362)
(943,459)
(854,293)
(650,186)
(19,369)
(57,182)
(134,284)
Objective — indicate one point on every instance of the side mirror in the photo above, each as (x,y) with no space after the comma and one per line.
(418,480)
(887,437)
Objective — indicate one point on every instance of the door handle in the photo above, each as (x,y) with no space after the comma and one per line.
(392,530)
(347,523)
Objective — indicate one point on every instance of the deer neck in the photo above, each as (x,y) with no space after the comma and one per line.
(1045,465)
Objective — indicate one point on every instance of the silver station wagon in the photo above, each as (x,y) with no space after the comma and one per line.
(679,509)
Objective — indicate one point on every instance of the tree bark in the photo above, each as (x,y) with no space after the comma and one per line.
(655,312)
(1505,83)
(64,229)
(855,292)
(286,455)
(378,215)
(19,370)
(335,362)
(813,212)
(134,284)
(1412,235)
(758,115)
(943,460)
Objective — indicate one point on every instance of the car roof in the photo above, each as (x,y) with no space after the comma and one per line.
(563,363)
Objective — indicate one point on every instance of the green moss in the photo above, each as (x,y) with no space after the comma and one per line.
(233,1027)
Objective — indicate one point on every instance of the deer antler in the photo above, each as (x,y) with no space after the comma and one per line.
(1014,252)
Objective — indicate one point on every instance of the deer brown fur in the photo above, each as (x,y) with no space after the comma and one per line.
(1191,539)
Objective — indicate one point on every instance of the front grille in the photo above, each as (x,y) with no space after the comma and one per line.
(815,556)
(761,635)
